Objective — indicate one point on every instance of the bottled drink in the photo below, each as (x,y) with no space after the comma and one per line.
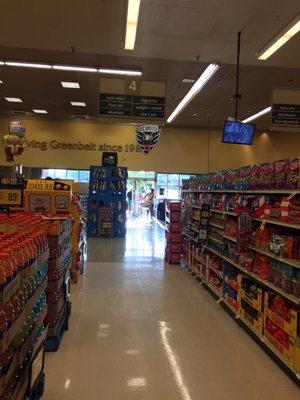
(6,264)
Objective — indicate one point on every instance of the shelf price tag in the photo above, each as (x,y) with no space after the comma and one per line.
(292,195)
(11,197)
(262,226)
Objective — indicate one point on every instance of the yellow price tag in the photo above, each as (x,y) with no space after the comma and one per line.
(10,197)
(262,226)
(292,195)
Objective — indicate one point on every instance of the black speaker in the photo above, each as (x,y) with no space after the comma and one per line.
(109,159)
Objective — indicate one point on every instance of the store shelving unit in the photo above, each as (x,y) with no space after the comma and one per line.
(107,189)
(216,245)
(173,232)
(222,302)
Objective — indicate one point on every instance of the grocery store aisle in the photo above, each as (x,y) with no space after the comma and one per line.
(141,330)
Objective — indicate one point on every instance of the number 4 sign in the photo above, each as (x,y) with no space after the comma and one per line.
(133,87)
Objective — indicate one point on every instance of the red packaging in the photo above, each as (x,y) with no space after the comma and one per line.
(292,174)
(280,168)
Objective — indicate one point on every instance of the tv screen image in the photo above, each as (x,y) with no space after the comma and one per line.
(238,132)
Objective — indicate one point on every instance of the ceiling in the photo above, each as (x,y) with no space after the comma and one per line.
(176,39)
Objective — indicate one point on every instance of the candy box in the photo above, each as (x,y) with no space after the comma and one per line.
(250,292)
(280,340)
(279,311)
(251,315)
(280,169)
(292,174)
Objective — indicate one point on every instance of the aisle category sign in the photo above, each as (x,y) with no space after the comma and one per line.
(132,106)
(286,108)
(132,98)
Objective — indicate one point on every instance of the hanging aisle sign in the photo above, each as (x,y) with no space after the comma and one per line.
(286,108)
(132,98)
(147,137)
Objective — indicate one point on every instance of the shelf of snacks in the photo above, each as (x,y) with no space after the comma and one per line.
(253,223)
(23,307)
(173,232)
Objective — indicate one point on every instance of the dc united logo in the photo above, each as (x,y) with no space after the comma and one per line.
(147,137)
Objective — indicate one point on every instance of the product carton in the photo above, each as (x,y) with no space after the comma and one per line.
(290,327)
(287,354)
(255,302)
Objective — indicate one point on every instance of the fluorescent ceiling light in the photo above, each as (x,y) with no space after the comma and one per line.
(1,81)
(113,71)
(188,80)
(1,63)
(257,115)
(40,111)
(71,85)
(280,39)
(74,68)
(131,24)
(13,99)
(195,89)
(27,64)
(78,103)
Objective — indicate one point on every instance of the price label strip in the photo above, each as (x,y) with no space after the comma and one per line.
(11,197)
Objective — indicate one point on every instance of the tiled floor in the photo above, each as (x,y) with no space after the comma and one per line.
(141,330)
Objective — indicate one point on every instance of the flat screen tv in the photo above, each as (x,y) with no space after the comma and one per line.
(238,132)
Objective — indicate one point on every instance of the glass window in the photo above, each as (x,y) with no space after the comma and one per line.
(162,179)
(72,174)
(84,176)
(173,179)
(48,172)
(150,175)
(183,177)
(60,174)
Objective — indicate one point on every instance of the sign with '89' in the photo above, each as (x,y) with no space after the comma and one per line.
(11,197)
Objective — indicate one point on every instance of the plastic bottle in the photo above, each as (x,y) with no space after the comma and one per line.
(6,264)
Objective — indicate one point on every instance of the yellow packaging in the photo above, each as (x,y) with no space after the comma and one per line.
(289,327)
(287,354)
(255,303)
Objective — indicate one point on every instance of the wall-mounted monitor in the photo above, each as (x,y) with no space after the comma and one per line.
(235,132)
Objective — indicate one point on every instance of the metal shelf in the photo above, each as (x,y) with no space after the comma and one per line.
(217,226)
(280,223)
(261,340)
(255,191)
(224,212)
(196,219)
(293,263)
(233,239)
(291,298)
(215,240)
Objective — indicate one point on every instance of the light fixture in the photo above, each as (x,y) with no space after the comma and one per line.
(27,64)
(280,39)
(37,111)
(116,71)
(1,63)
(74,68)
(131,23)
(185,80)
(78,103)
(14,99)
(1,81)
(70,85)
(257,115)
(195,89)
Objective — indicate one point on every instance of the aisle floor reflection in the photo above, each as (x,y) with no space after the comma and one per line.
(143,330)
